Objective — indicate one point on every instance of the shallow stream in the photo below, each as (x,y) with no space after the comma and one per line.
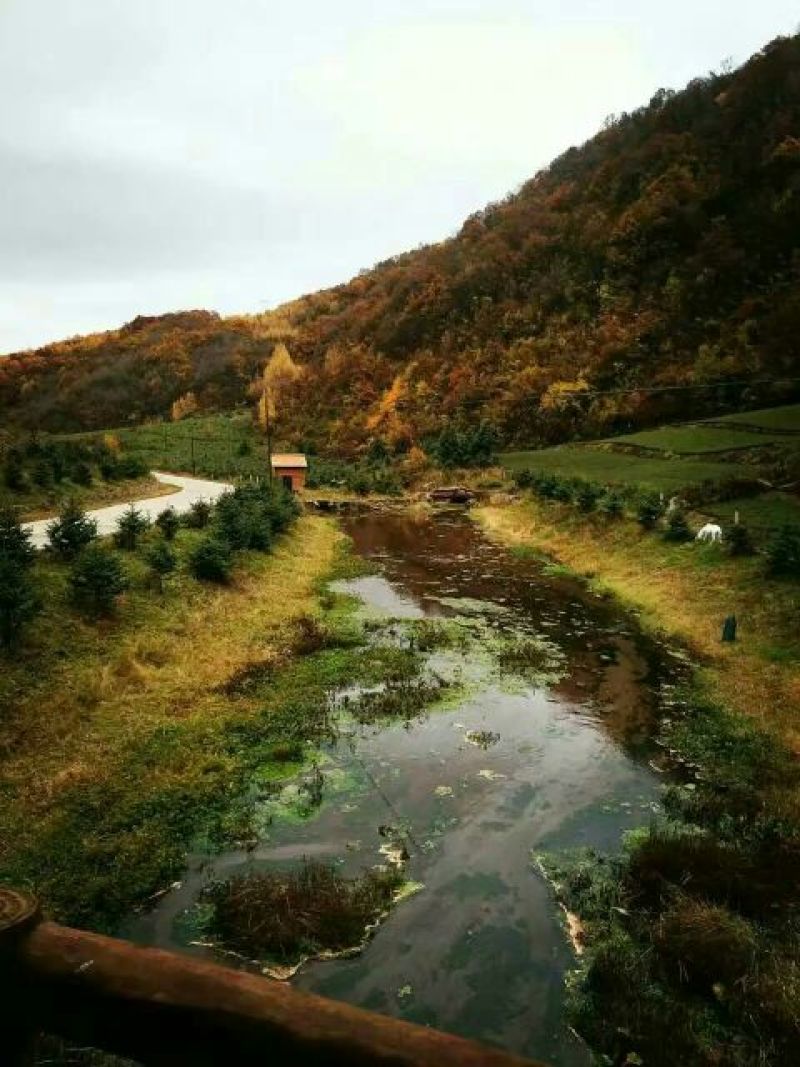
(507,765)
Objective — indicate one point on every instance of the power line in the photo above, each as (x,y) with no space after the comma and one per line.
(676,388)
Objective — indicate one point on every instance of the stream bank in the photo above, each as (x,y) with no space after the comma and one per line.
(693,949)
(534,734)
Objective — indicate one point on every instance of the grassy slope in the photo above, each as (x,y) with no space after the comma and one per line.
(702,439)
(761,512)
(42,503)
(121,743)
(686,590)
(219,441)
(613,468)
(786,417)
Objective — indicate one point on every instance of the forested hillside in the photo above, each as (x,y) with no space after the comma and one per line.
(665,252)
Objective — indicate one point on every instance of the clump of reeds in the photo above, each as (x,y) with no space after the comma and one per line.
(525,657)
(309,636)
(286,915)
(249,677)
(402,700)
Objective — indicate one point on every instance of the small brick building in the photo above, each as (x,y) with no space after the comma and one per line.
(289,468)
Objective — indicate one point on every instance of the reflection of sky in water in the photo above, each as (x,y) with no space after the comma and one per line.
(480,951)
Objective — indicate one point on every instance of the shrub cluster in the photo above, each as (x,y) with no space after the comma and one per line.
(783,552)
(51,462)
(587,496)
(96,580)
(468,447)
(690,954)
(19,601)
(250,516)
(71,531)
(372,474)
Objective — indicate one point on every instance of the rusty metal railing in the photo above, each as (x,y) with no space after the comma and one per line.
(162,1008)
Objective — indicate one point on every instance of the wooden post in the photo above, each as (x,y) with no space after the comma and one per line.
(170,1010)
(268,429)
(19,914)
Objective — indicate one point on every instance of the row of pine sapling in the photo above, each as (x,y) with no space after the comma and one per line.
(652,511)
(249,517)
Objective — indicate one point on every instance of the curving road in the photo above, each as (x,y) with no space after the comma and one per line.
(187,491)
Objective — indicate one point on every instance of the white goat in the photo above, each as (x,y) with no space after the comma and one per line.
(709,532)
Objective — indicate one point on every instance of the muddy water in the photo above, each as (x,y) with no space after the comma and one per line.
(480,950)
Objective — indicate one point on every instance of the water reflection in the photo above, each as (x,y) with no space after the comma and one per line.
(480,950)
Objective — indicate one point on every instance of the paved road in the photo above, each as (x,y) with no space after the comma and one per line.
(187,491)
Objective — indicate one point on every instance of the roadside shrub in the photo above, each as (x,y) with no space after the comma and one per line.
(130,525)
(649,511)
(677,526)
(586,496)
(131,467)
(97,579)
(162,560)
(210,560)
(168,523)
(523,479)
(15,543)
(71,531)
(739,541)
(242,522)
(81,474)
(563,489)
(43,474)
(783,552)
(612,505)
(19,602)
(14,474)
(198,515)
(251,515)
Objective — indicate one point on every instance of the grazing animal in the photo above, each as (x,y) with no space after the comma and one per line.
(709,532)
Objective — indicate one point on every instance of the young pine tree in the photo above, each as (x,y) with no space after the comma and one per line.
(783,552)
(168,523)
(97,580)
(19,601)
(162,560)
(130,526)
(677,527)
(71,531)
(211,561)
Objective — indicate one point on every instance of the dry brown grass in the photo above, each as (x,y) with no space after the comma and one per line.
(97,495)
(682,590)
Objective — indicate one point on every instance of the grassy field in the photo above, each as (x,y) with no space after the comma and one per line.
(763,512)
(686,590)
(614,468)
(121,740)
(213,445)
(782,418)
(217,446)
(696,439)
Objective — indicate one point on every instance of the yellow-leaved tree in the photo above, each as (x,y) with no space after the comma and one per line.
(182,407)
(280,374)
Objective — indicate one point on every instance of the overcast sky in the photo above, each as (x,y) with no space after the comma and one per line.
(230,154)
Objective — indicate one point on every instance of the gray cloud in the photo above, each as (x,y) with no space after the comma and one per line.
(157,154)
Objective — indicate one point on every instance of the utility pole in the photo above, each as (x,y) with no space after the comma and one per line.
(268,427)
